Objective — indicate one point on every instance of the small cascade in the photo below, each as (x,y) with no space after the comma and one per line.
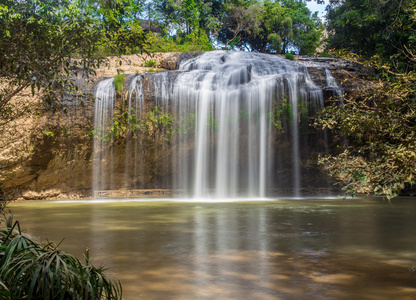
(105,96)
(225,125)
(333,85)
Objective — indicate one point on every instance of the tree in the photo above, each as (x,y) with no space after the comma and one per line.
(166,12)
(252,25)
(307,28)
(44,43)
(211,12)
(187,25)
(369,27)
(187,15)
(271,26)
(121,27)
(241,24)
(380,124)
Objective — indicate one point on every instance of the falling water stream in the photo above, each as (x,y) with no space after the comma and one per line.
(332,83)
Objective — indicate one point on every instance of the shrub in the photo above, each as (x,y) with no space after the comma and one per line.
(290,56)
(119,82)
(324,54)
(379,122)
(30,270)
(150,63)
(151,70)
(196,41)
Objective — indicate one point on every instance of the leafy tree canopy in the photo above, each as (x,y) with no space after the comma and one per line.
(369,27)
(43,43)
(380,122)
(253,25)
(271,26)
(380,125)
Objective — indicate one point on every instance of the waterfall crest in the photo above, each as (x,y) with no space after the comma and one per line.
(228,125)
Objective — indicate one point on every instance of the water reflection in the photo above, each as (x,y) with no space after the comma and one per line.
(314,249)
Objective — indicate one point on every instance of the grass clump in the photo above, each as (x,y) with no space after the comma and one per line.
(31,270)
(196,41)
(151,70)
(151,63)
(119,83)
(324,54)
(289,56)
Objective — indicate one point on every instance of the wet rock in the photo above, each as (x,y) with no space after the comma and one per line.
(173,61)
(47,194)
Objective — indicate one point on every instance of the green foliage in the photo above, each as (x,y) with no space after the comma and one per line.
(44,43)
(369,27)
(303,110)
(289,56)
(152,70)
(241,21)
(37,39)
(196,41)
(212,122)
(380,125)
(192,20)
(188,16)
(270,26)
(283,112)
(126,123)
(30,270)
(119,83)
(158,118)
(122,32)
(48,133)
(150,63)
(185,123)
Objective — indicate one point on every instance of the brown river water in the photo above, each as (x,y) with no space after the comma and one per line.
(280,249)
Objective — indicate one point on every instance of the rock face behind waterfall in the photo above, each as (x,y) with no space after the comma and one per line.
(177,130)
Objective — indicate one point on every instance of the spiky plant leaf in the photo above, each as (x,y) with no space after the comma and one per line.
(30,270)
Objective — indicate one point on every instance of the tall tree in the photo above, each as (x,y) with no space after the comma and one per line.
(121,27)
(380,121)
(307,27)
(43,42)
(271,26)
(369,27)
(189,15)
(241,24)
(167,12)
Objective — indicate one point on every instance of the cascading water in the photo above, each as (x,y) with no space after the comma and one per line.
(332,84)
(225,125)
(105,96)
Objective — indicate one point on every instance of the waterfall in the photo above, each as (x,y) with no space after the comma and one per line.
(333,85)
(105,96)
(225,125)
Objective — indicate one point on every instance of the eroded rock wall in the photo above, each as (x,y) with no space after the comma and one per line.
(50,156)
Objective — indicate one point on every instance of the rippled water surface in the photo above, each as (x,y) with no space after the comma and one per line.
(282,249)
